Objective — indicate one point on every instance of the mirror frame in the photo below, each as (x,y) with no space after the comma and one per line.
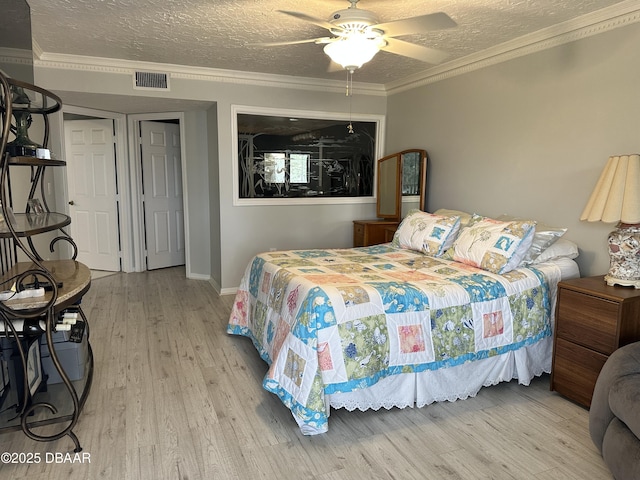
(390,189)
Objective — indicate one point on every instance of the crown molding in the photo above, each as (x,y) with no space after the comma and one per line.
(36,49)
(16,56)
(619,15)
(601,21)
(127,67)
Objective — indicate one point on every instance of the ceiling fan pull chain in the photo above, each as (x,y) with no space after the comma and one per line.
(350,95)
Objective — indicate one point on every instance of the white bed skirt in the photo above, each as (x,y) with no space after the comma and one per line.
(454,383)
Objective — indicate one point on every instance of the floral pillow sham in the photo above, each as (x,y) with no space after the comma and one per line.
(493,245)
(426,232)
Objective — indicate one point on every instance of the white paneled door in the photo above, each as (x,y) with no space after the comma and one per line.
(91,183)
(162,185)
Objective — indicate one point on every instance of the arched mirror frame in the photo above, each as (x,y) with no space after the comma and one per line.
(389,183)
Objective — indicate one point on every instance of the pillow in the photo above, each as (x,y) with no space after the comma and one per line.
(464,216)
(562,248)
(427,233)
(544,237)
(466,221)
(493,245)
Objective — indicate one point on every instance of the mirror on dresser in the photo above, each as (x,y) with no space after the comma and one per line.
(389,190)
(414,175)
(401,174)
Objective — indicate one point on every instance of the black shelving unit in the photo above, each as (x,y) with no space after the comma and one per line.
(34,325)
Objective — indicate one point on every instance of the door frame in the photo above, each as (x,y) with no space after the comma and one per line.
(122,171)
(137,210)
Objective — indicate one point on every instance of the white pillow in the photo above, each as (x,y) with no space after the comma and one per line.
(562,248)
(426,232)
(493,245)
(544,237)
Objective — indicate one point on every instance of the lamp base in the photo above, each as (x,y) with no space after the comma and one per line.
(624,256)
(611,281)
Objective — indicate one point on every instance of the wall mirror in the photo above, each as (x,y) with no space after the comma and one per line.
(400,174)
(302,155)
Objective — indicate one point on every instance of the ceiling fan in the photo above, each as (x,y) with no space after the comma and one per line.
(356,36)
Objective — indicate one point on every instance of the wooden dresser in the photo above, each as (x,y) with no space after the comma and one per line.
(592,320)
(371,232)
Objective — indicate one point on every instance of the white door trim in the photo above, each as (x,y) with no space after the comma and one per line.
(137,231)
(122,169)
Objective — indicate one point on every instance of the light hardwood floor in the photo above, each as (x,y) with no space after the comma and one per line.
(175,397)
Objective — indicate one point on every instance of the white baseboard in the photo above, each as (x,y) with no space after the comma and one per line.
(229,291)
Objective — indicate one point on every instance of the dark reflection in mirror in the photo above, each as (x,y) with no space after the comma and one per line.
(414,174)
(411,173)
(304,157)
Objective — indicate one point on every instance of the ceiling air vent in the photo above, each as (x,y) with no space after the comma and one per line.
(152,80)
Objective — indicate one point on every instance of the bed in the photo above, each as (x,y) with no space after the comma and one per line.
(419,320)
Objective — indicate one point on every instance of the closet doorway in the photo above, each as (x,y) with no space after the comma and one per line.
(158,190)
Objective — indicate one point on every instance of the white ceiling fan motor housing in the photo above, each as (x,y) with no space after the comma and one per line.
(352,20)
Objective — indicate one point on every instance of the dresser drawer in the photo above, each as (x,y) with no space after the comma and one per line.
(588,321)
(358,235)
(575,371)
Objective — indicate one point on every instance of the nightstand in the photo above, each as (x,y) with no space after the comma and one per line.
(371,232)
(592,320)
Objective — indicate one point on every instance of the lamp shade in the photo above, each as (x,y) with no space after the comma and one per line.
(353,51)
(616,196)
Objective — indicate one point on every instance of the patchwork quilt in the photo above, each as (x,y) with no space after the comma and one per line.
(329,321)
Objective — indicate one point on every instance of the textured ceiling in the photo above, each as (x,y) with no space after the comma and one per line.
(217,33)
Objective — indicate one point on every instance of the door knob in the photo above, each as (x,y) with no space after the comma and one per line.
(71,202)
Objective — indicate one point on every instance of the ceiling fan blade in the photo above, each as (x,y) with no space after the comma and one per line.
(411,50)
(310,19)
(292,42)
(420,24)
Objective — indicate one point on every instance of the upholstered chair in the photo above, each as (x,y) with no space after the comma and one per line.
(614,417)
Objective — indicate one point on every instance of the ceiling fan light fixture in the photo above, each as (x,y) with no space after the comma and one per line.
(353,51)
(356,36)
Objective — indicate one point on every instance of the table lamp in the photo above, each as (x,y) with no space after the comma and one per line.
(616,198)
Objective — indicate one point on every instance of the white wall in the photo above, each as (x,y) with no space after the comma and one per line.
(214,197)
(529,136)
(197,201)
